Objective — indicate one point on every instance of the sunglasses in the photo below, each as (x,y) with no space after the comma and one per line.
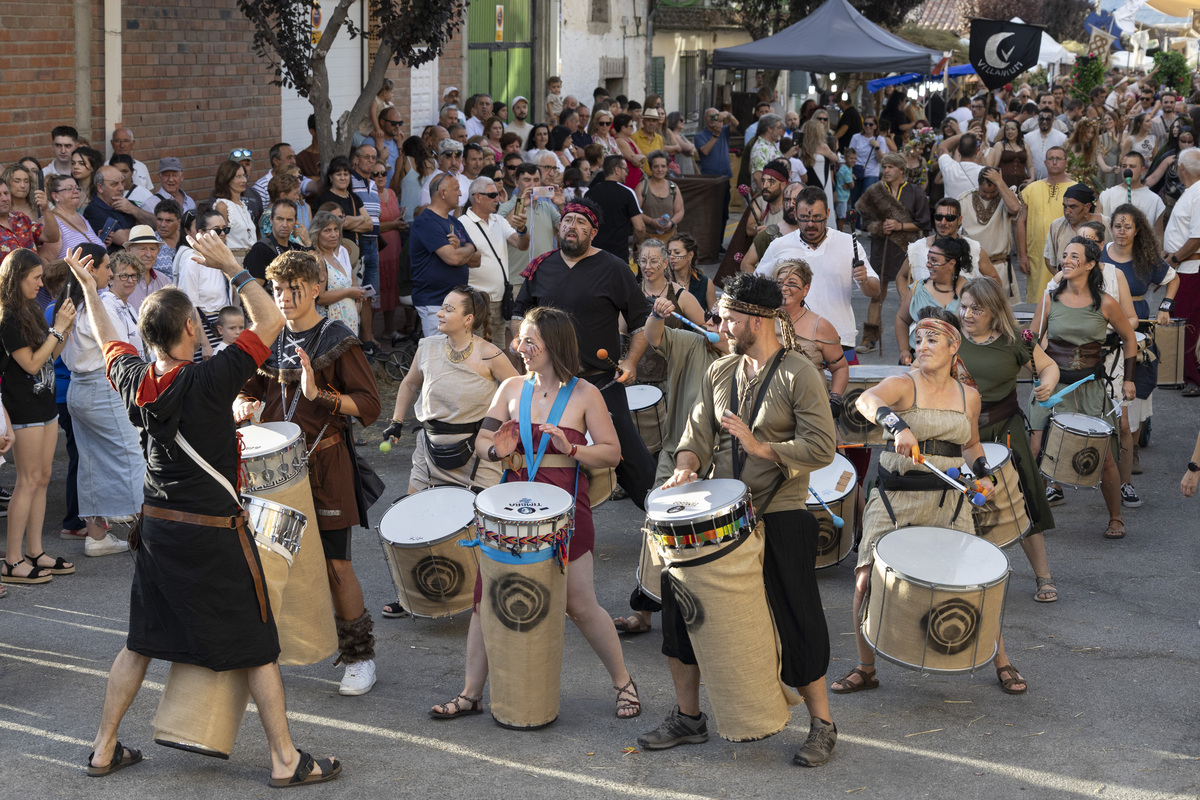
(945,217)
(451,154)
(492,195)
(868,124)
(223,231)
(239,155)
(394,121)
(822,119)
(378,174)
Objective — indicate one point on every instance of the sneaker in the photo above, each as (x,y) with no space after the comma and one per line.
(1129,496)
(358,679)
(104,547)
(75,535)
(395,611)
(372,350)
(1054,495)
(675,729)
(5,495)
(818,747)
(1137,460)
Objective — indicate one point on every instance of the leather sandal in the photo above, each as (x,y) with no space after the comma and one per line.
(473,706)
(1046,593)
(1113,532)
(1012,680)
(633,624)
(627,700)
(36,575)
(330,769)
(869,681)
(119,761)
(58,568)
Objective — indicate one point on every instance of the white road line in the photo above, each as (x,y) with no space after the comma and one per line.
(64,622)
(81,613)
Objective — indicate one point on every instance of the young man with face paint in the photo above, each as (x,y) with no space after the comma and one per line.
(318,377)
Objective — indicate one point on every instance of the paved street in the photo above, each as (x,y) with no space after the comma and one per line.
(1111,710)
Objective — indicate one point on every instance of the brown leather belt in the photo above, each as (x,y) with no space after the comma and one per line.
(237,523)
(328,441)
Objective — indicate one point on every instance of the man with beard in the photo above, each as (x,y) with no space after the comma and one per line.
(1042,141)
(520,122)
(1043,205)
(895,213)
(987,215)
(790,433)
(947,222)
(596,288)
(773,225)
(1135,192)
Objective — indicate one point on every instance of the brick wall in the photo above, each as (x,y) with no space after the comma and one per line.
(37,41)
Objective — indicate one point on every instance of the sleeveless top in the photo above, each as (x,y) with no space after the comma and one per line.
(344,309)
(654,207)
(453,393)
(949,425)
(1012,167)
(1076,325)
(921,298)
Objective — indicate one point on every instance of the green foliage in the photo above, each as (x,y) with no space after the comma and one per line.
(1171,69)
(764,17)
(1087,75)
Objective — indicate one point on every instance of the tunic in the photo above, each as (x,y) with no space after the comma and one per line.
(688,358)
(338,363)
(1077,326)
(1045,205)
(193,598)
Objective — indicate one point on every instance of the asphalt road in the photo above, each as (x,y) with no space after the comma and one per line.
(1111,710)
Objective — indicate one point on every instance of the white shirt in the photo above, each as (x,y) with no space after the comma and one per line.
(141,176)
(243,233)
(918,253)
(206,287)
(188,203)
(489,275)
(474,127)
(798,170)
(464,186)
(124,317)
(260,186)
(832,284)
(142,198)
(1184,224)
(82,353)
(1146,201)
(959,177)
(522,129)
(868,159)
(962,116)
(1039,144)
(1031,125)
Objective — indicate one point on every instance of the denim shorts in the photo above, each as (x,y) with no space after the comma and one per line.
(16,427)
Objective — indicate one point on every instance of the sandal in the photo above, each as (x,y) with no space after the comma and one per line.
(475,706)
(1012,680)
(60,567)
(36,575)
(395,611)
(1113,532)
(1046,593)
(330,769)
(627,701)
(633,624)
(869,681)
(119,761)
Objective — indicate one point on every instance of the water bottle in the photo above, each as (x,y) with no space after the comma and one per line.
(664,222)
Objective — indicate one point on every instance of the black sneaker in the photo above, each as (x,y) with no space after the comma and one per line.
(675,729)
(372,350)
(818,747)
(1054,496)
(395,611)
(1129,496)
(5,496)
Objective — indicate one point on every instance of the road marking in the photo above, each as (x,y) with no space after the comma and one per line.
(96,673)
(80,613)
(24,711)
(56,761)
(46,652)
(51,735)
(64,622)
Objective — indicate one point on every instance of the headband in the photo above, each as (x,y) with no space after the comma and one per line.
(776,174)
(940,326)
(577,208)
(785,322)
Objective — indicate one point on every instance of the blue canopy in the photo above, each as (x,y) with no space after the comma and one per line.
(916,77)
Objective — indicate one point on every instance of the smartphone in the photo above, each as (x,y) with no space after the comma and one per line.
(368,290)
(520,206)
(109,226)
(543,191)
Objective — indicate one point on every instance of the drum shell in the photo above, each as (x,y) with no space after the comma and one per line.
(436,578)
(833,543)
(724,605)
(650,566)
(1073,456)
(602,482)
(523,619)
(201,710)
(1172,355)
(1004,519)
(852,426)
(650,419)
(902,610)
(276,456)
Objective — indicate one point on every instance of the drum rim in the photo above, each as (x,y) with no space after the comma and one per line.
(1007,458)
(925,584)
(849,490)
(551,513)
(427,542)
(926,668)
(743,496)
(1089,434)
(279,427)
(643,388)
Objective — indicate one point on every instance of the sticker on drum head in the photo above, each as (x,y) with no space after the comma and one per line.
(952,626)
(438,577)
(519,602)
(526,506)
(689,607)
(1086,461)
(829,538)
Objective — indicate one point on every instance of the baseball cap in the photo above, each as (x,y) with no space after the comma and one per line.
(449,89)
(170,164)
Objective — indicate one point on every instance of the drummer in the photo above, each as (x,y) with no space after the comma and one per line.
(656,282)
(318,378)
(547,345)
(816,337)
(991,358)
(938,420)
(1071,323)
(792,435)
(198,595)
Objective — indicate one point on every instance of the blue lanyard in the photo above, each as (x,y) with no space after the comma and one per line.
(525,415)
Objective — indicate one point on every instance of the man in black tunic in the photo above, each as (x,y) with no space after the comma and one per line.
(198,594)
(596,288)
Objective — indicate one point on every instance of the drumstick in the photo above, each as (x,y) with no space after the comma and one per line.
(602,354)
(977,498)
(837,521)
(712,337)
(1058,396)
(849,446)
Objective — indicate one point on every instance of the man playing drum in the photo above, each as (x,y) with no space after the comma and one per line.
(317,377)
(198,595)
(790,433)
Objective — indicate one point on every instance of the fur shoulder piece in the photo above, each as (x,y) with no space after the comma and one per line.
(324,345)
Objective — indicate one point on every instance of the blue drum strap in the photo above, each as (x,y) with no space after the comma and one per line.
(524,420)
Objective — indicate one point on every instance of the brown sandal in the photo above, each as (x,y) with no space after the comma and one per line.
(1046,592)
(473,706)
(1114,532)
(869,681)
(627,700)
(1012,680)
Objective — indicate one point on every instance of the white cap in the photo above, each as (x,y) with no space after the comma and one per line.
(449,90)
(518,99)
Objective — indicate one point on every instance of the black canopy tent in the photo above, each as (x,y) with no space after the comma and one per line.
(834,38)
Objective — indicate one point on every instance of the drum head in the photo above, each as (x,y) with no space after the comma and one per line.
(696,500)
(995,454)
(267,437)
(1083,423)
(428,517)
(641,397)
(942,557)
(829,480)
(517,501)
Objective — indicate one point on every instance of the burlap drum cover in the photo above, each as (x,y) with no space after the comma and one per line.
(1171,353)
(1003,519)
(523,616)
(601,484)
(938,628)
(649,419)
(650,565)
(1075,448)
(201,710)
(433,575)
(724,606)
(307,633)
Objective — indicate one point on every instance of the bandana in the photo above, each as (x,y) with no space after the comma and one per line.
(1081,192)
(576,208)
(787,329)
(939,326)
(777,175)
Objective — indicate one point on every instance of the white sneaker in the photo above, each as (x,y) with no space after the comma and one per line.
(104,547)
(359,678)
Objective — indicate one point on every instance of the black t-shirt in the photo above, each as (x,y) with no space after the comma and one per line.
(28,398)
(619,206)
(559,137)
(351,205)
(853,120)
(263,253)
(594,292)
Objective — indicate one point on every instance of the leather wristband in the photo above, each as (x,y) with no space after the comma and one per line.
(574,449)
(327,398)
(1130,367)
(491,454)
(1167,304)
(886,418)
(1193,466)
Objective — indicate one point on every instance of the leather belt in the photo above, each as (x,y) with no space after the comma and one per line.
(328,441)
(1137,297)
(237,523)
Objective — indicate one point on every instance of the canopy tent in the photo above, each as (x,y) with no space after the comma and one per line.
(834,38)
(915,77)
(1052,52)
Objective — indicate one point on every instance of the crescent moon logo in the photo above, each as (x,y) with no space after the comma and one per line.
(992,54)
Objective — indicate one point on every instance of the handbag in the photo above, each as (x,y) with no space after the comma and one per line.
(507,303)
(455,454)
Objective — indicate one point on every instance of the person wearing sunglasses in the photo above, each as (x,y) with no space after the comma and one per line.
(492,236)
(869,146)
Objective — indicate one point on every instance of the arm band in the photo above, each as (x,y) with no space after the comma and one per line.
(327,398)
(982,470)
(886,418)
(490,424)
(1130,366)
(1167,305)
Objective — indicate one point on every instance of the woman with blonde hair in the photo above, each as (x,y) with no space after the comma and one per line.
(820,161)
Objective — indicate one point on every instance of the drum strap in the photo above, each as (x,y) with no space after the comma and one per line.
(738,459)
(525,415)
(889,481)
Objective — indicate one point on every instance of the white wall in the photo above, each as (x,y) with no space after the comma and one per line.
(581,44)
(669,44)
(345,64)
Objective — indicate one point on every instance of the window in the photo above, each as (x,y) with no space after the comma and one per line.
(599,11)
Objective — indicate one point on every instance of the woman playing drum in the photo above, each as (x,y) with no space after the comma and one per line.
(1071,323)
(549,349)
(938,420)
(992,355)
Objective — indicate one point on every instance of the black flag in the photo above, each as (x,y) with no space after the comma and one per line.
(1000,51)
